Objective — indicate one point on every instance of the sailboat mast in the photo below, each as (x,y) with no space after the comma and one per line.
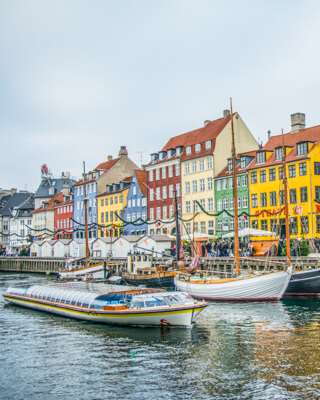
(286,202)
(85,214)
(177,227)
(235,195)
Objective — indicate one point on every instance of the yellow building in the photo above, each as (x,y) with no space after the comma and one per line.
(303,172)
(205,155)
(110,205)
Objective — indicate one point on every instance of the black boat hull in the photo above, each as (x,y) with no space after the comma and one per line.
(306,283)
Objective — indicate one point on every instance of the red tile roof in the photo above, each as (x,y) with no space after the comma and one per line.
(50,204)
(142,180)
(225,172)
(108,164)
(290,140)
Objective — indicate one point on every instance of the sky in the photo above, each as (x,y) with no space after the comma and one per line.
(79,79)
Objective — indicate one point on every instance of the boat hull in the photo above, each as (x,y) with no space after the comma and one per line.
(155,280)
(97,271)
(180,316)
(264,287)
(305,283)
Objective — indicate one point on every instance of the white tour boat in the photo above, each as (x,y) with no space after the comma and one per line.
(141,307)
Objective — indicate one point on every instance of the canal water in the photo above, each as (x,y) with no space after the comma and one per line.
(234,351)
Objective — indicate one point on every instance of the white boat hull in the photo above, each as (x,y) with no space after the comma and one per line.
(93,271)
(263,287)
(180,316)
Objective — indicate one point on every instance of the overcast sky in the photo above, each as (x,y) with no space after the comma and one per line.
(78,79)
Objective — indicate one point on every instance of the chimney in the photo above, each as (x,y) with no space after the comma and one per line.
(65,188)
(269,134)
(123,151)
(13,191)
(226,113)
(109,158)
(206,122)
(298,122)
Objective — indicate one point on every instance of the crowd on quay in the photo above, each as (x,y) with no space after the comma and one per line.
(225,248)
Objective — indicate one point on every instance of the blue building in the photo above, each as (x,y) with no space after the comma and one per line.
(136,204)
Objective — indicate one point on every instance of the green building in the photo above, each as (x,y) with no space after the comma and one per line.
(223,186)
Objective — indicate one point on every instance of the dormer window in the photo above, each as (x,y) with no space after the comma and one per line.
(179,150)
(229,164)
(51,191)
(188,150)
(279,153)
(242,162)
(261,157)
(208,144)
(302,149)
(198,148)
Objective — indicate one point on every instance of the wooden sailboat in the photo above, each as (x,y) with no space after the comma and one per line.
(261,286)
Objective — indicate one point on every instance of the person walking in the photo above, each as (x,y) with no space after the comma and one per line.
(203,249)
(209,247)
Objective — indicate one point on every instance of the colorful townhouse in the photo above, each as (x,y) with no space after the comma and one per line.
(302,151)
(224,198)
(205,154)
(111,206)
(136,205)
(63,218)
(96,181)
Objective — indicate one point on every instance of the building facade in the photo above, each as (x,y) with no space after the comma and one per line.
(63,218)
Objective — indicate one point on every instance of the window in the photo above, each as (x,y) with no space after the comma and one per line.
(208,144)
(318,223)
(144,202)
(303,169)
(304,223)
(281,197)
(111,216)
(219,205)
(177,169)
(196,227)
(187,187)
(219,224)
(187,168)
(151,193)
(158,193)
(171,191)
(151,214)
(253,177)
(209,162)
(317,168)
(107,201)
(202,204)
(219,185)
(231,221)
(280,171)
(194,166)
(203,227)
(263,199)
(264,224)
(164,192)
(188,227)
(158,212)
(244,180)
(293,196)
(188,150)
(231,203)
(245,201)
(242,162)
(102,217)
(198,147)
(151,175)
(107,217)
(194,186)
(239,202)
(210,184)
(317,192)
(170,171)
(254,224)
(238,181)
(303,194)
(229,164)
(164,170)
(263,176)
(279,153)
(171,211)
(201,164)
(210,227)
(292,171)
(254,200)
(157,174)
(111,200)
(116,200)
(164,212)
(302,149)
(261,157)
(201,185)
(188,209)
(225,204)
(210,204)
(178,189)
(230,183)
(133,202)
(272,174)
(225,184)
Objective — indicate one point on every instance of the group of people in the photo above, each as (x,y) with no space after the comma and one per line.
(225,248)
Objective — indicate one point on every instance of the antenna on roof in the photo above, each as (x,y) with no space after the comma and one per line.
(140,152)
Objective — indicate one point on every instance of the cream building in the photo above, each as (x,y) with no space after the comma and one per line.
(205,155)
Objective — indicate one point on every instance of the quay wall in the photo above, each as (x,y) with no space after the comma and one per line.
(51,265)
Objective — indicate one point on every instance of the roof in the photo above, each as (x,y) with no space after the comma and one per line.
(107,164)
(290,140)
(141,180)
(50,204)
(14,201)
(132,238)
(225,172)
(64,241)
(107,239)
(51,183)
(159,238)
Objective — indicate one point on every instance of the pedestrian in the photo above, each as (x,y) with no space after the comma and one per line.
(203,249)
(209,247)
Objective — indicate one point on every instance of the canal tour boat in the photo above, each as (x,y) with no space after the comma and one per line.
(265,285)
(74,269)
(140,307)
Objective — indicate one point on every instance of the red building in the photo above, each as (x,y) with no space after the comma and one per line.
(63,214)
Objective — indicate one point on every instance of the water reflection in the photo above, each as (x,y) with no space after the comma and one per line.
(235,351)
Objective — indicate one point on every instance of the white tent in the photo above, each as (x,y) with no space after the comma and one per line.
(250,232)
(198,235)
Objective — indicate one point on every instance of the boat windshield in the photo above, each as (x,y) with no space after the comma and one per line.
(147,302)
